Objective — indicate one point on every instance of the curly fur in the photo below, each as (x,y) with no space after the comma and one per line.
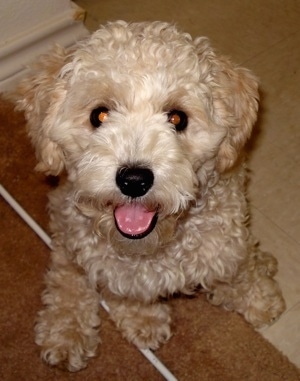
(140,72)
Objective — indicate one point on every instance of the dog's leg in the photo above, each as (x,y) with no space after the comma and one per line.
(253,292)
(145,325)
(67,329)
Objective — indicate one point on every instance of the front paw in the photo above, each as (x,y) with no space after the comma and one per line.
(65,340)
(147,333)
(146,326)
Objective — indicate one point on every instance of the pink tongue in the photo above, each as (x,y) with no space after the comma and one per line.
(133,219)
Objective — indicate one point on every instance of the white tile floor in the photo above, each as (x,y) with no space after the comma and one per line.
(265,37)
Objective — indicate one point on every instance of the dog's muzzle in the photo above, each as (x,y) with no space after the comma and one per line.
(133,219)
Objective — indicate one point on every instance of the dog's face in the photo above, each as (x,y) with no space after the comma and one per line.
(142,117)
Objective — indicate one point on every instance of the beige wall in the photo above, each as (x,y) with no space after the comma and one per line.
(29,28)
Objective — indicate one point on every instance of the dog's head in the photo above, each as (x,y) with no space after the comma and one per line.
(141,116)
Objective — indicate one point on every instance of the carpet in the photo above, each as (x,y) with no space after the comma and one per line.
(208,343)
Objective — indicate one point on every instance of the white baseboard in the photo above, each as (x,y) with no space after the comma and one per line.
(15,56)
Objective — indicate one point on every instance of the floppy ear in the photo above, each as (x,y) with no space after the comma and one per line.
(234,98)
(40,95)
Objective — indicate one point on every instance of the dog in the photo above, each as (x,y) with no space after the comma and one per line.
(149,125)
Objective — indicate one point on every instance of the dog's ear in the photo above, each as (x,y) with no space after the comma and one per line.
(40,95)
(234,102)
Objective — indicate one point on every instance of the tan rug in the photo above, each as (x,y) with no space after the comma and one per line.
(208,344)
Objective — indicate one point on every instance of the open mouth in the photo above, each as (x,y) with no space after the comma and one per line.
(134,221)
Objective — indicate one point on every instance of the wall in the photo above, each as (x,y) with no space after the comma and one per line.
(29,27)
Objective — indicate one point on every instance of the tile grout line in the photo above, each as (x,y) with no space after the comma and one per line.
(270,47)
(273,223)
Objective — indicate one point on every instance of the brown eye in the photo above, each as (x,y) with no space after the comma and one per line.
(179,119)
(98,116)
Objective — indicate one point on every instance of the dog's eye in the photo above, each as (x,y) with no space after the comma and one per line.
(179,119)
(98,116)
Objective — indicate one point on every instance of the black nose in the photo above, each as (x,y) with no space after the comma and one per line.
(134,181)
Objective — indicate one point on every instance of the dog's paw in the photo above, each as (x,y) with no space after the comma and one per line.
(146,326)
(69,351)
(259,301)
(65,342)
(147,332)
(265,303)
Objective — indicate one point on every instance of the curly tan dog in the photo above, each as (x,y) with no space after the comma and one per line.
(149,125)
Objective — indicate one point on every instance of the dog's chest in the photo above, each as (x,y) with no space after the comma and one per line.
(147,278)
